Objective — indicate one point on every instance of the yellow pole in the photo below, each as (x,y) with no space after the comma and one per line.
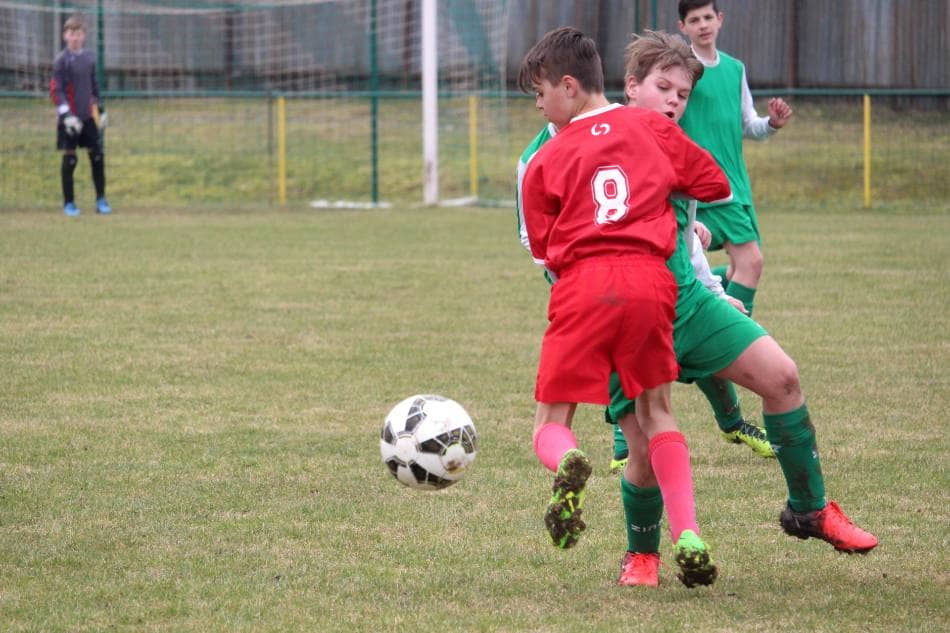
(282,151)
(473,145)
(867,151)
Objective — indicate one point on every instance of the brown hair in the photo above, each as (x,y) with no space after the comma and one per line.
(563,51)
(661,50)
(685,6)
(74,23)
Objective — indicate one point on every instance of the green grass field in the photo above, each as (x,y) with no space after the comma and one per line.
(191,402)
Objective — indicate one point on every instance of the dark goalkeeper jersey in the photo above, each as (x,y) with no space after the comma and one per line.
(74,82)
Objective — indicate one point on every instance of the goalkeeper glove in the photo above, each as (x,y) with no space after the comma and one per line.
(103,120)
(71,124)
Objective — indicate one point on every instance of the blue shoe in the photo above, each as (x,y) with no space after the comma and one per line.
(102,206)
(71,209)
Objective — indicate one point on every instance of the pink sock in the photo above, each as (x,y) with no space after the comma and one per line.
(669,456)
(551,442)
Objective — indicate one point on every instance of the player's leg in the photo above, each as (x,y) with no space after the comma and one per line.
(66,143)
(91,140)
(618,407)
(642,508)
(735,227)
(97,160)
(723,273)
(735,429)
(767,370)
(746,262)
(712,335)
(556,447)
(621,451)
(66,172)
(669,457)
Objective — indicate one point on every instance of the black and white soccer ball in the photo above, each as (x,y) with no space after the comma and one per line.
(428,442)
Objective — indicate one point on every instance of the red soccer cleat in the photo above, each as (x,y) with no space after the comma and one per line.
(829,524)
(640,568)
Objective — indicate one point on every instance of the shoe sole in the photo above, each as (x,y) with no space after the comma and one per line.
(563,515)
(695,568)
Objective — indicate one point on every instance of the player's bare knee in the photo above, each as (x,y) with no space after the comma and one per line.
(785,381)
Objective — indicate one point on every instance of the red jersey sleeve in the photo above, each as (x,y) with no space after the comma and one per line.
(697,172)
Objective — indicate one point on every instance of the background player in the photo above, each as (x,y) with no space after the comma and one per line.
(74,90)
(720,113)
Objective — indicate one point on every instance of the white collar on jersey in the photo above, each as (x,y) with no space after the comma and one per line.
(707,63)
(601,110)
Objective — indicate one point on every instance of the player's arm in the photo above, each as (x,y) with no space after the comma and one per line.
(537,207)
(529,152)
(57,88)
(97,108)
(57,91)
(698,175)
(760,127)
(697,258)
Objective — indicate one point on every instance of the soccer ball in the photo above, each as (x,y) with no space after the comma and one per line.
(428,442)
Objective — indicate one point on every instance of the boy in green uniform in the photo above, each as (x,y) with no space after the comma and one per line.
(711,337)
(720,114)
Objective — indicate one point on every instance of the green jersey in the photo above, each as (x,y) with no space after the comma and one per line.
(713,119)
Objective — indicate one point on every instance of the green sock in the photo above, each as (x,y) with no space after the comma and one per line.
(620,443)
(723,399)
(721,271)
(643,510)
(793,437)
(743,293)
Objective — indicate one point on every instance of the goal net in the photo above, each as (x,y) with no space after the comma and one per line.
(308,101)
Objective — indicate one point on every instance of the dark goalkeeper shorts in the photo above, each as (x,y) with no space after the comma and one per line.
(713,336)
(89,137)
(734,223)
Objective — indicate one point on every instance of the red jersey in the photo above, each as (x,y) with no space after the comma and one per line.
(601,186)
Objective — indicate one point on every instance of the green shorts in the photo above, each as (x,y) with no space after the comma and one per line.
(735,223)
(708,340)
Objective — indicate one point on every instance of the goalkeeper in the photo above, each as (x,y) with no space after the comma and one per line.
(75,92)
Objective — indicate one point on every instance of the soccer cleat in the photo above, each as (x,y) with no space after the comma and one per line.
(640,569)
(102,206)
(563,515)
(752,436)
(692,556)
(829,524)
(617,465)
(71,209)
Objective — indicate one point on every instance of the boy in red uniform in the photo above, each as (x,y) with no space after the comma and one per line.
(596,207)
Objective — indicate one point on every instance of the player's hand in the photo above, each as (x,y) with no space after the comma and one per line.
(738,305)
(779,113)
(72,125)
(103,120)
(703,233)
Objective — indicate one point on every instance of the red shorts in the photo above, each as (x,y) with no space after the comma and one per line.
(608,314)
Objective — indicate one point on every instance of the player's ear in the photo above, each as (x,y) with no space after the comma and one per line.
(682,27)
(630,89)
(570,85)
